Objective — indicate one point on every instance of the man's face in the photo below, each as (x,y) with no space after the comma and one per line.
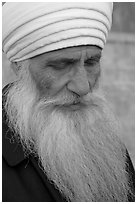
(71,70)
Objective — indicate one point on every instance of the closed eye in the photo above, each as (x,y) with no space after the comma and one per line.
(61,64)
(93,60)
(90,62)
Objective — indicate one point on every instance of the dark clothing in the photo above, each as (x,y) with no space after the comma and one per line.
(23,179)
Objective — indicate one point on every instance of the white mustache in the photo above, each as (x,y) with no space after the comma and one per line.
(69,99)
(65,101)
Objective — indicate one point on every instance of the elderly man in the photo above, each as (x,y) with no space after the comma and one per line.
(60,139)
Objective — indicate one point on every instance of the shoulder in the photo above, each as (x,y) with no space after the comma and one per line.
(131,177)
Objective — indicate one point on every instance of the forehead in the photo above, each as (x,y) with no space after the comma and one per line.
(71,52)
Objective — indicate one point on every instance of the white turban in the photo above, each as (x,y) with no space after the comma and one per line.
(30,29)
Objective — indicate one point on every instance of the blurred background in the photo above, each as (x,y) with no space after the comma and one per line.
(118,71)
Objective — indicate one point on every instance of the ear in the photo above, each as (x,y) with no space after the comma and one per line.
(16,66)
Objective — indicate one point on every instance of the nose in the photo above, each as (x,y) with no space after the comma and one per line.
(79,83)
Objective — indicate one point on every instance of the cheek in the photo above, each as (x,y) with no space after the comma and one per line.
(49,82)
(43,82)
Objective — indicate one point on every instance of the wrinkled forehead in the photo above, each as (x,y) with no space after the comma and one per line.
(70,53)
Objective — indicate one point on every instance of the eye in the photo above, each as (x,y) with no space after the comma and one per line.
(61,65)
(91,62)
(57,66)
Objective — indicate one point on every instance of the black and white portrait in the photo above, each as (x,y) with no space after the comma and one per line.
(68,102)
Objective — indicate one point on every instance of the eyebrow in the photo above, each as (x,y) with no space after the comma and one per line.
(95,57)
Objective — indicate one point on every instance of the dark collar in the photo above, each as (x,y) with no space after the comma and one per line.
(12,150)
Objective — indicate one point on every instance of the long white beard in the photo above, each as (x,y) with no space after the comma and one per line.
(79,150)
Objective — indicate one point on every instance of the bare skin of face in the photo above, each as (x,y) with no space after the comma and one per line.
(75,69)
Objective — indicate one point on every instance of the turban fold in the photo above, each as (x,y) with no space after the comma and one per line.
(30,29)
